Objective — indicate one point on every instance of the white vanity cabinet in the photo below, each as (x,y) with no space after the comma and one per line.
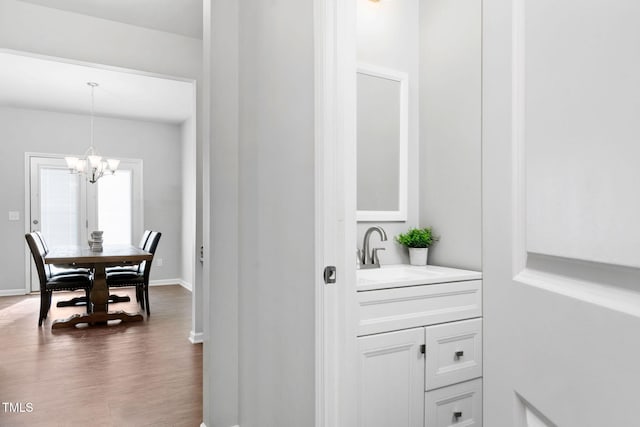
(420,349)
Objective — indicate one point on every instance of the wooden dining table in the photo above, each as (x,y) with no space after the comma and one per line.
(111,256)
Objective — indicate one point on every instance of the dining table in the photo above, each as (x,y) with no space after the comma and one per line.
(110,256)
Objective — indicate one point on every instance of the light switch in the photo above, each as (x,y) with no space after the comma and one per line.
(14,216)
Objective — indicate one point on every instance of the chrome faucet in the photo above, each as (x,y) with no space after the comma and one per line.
(369,259)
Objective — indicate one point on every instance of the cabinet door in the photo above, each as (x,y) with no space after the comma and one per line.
(391,379)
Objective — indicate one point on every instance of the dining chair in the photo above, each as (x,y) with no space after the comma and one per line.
(49,283)
(140,277)
(133,267)
(55,270)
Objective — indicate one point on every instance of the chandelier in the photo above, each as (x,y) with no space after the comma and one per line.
(92,165)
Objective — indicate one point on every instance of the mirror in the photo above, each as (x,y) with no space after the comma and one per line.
(382,135)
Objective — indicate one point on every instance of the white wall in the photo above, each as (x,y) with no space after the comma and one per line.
(220,204)
(450,129)
(277,213)
(262,174)
(157,144)
(388,36)
(32,28)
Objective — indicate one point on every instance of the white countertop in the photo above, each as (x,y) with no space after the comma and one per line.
(399,275)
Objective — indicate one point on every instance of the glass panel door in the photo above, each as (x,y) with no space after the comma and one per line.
(60,207)
(115,207)
(57,206)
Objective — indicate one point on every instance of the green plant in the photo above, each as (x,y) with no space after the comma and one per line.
(417,238)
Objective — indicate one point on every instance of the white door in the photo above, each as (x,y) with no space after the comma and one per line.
(561,205)
(65,207)
(391,379)
(56,201)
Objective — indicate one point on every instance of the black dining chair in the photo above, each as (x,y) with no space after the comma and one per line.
(60,270)
(133,267)
(140,277)
(49,283)
(56,270)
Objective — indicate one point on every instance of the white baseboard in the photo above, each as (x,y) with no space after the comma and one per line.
(12,292)
(164,282)
(204,425)
(196,337)
(161,282)
(188,286)
(167,282)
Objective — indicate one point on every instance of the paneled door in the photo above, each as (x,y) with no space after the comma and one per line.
(561,205)
(65,207)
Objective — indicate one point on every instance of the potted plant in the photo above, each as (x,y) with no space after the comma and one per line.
(418,241)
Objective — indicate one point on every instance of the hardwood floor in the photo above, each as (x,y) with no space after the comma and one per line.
(134,374)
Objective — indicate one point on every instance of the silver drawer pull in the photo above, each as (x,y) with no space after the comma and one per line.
(457,414)
(459,354)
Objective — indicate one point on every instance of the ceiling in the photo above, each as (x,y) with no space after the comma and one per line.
(40,83)
(182,17)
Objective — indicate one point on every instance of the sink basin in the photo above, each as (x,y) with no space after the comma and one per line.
(391,276)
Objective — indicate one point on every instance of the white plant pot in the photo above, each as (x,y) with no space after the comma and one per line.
(418,256)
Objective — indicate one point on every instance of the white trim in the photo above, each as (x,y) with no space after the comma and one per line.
(403,152)
(196,337)
(335,226)
(168,282)
(188,286)
(12,292)
(27,221)
(96,65)
(165,282)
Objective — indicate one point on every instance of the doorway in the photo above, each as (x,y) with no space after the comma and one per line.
(64,207)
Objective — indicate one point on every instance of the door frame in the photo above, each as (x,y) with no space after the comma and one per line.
(137,193)
(335,195)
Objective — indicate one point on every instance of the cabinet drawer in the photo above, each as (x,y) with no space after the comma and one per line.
(453,353)
(456,405)
(401,308)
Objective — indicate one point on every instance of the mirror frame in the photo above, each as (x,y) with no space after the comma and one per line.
(403,149)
